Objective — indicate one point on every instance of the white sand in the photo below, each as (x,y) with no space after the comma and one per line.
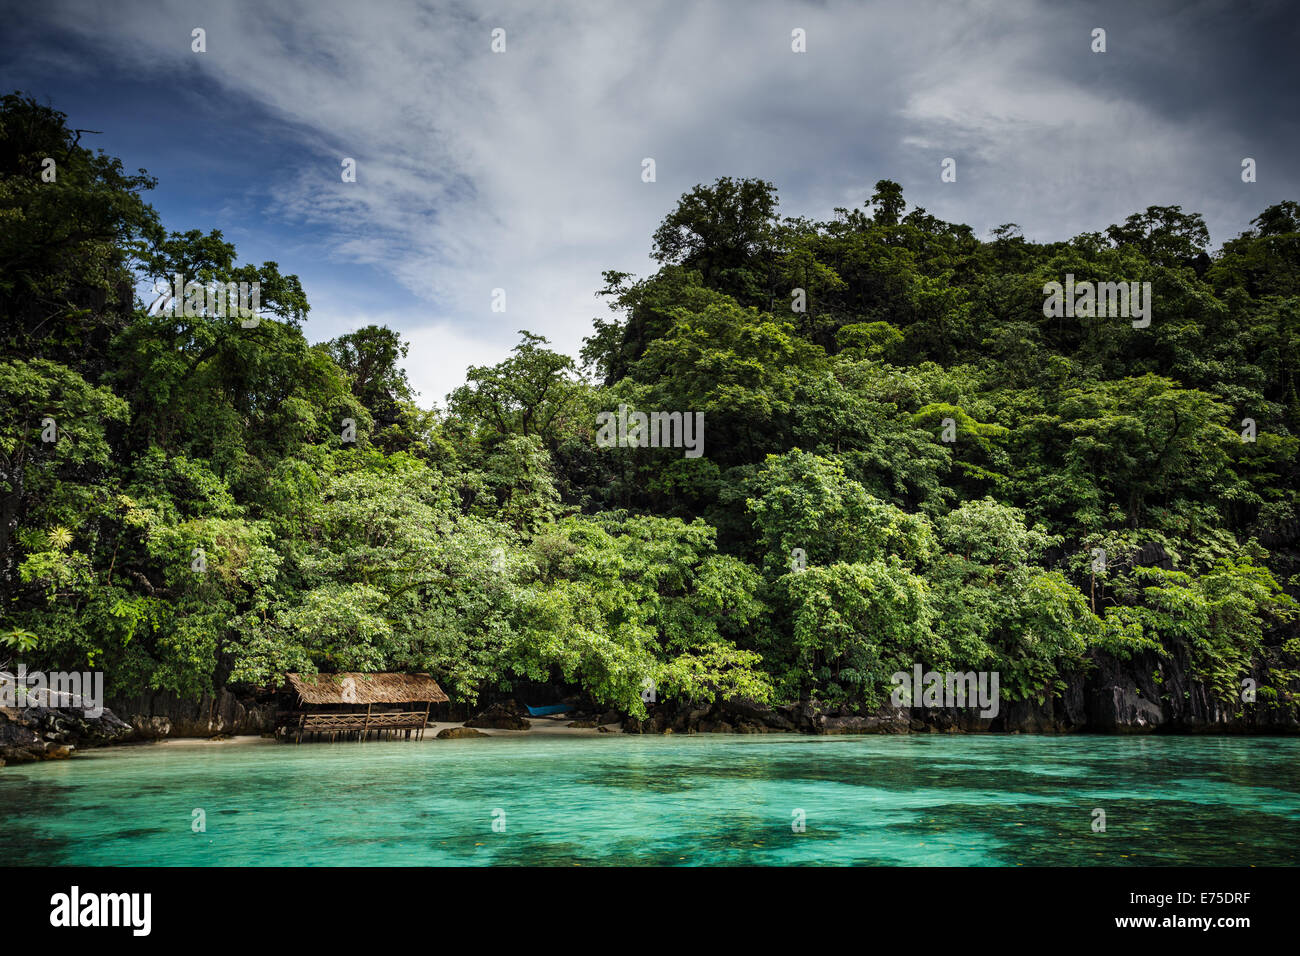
(541,726)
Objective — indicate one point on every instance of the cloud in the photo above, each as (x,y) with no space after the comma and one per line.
(521,170)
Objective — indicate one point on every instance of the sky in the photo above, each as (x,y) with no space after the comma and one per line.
(521,170)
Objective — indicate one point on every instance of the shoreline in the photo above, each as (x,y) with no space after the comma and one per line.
(58,735)
(540,728)
(559,730)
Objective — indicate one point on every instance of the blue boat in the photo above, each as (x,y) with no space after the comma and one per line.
(548,709)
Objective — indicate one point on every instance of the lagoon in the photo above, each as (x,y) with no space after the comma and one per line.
(607,799)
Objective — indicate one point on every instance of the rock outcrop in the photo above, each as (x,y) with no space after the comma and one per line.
(49,733)
(1147,694)
(500,716)
(163,714)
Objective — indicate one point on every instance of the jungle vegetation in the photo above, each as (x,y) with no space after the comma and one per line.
(183,506)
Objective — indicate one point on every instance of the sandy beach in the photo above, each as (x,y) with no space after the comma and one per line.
(541,727)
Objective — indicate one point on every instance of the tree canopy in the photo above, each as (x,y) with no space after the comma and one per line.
(906,459)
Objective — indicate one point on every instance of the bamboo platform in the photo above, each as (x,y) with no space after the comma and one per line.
(357,726)
(330,706)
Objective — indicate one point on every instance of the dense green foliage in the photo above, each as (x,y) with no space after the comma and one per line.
(221,502)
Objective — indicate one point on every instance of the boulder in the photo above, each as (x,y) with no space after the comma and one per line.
(499,717)
(456,733)
(19,741)
(45,733)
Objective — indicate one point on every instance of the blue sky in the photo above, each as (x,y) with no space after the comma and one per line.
(522,170)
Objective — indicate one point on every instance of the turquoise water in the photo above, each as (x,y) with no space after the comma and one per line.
(702,800)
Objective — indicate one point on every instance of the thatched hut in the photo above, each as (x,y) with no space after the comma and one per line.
(354,705)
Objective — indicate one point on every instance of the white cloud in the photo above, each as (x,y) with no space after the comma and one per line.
(439,352)
(522,170)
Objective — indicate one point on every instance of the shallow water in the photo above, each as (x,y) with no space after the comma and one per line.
(700,800)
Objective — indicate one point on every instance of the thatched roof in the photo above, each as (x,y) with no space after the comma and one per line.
(366,688)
